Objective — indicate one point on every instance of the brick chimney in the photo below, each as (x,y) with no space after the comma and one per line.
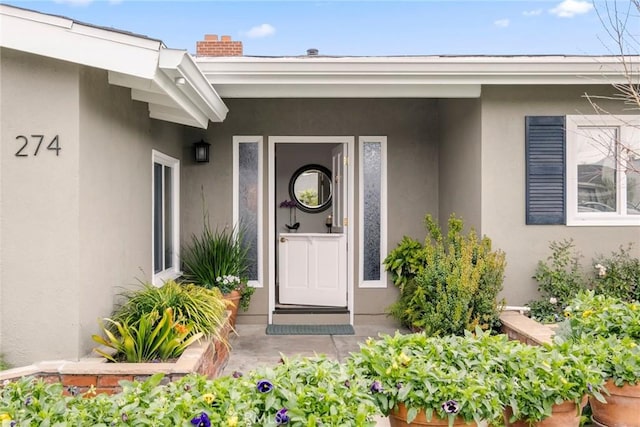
(211,46)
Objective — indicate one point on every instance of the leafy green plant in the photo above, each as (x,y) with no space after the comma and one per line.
(456,284)
(298,392)
(203,309)
(151,338)
(424,373)
(543,376)
(617,357)
(405,262)
(618,275)
(559,279)
(600,315)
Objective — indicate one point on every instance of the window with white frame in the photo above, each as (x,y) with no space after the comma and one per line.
(247,200)
(603,170)
(373,210)
(165,219)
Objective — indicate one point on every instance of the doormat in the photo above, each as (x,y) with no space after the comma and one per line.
(310,330)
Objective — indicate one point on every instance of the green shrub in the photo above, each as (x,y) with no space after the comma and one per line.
(203,309)
(618,275)
(559,280)
(457,285)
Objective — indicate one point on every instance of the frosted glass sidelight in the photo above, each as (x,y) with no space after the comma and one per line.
(248,157)
(372,179)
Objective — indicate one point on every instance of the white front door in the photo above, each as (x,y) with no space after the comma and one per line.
(313,269)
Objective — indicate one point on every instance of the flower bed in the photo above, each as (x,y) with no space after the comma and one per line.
(98,375)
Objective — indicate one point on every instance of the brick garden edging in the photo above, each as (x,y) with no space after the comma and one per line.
(206,357)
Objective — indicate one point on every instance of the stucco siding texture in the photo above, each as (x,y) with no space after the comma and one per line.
(39,209)
(459,189)
(411,127)
(117,138)
(503,183)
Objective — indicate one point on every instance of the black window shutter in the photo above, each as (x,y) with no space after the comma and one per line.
(546,165)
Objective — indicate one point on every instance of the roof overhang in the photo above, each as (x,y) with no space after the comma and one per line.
(168,80)
(401,77)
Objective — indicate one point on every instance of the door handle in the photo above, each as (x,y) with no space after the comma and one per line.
(283,239)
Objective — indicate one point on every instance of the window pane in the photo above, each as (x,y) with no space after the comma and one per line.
(248,202)
(168,218)
(597,163)
(157,218)
(372,171)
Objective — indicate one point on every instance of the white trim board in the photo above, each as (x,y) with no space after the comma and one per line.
(272,141)
(237,140)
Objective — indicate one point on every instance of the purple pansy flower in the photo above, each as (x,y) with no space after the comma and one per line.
(236,374)
(264,386)
(282,417)
(451,407)
(376,387)
(201,420)
(124,417)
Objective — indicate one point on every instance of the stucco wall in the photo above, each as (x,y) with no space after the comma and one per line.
(117,138)
(39,202)
(75,228)
(459,157)
(503,183)
(412,130)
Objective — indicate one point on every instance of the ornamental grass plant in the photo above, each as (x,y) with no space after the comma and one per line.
(203,309)
(159,323)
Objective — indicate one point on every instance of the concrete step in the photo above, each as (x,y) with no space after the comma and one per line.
(316,318)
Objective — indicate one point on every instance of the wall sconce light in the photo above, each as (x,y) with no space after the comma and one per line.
(201,151)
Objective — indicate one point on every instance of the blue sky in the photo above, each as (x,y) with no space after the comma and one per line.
(356,27)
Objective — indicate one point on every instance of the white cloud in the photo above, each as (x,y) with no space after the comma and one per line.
(571,8)
(501,23)
(264,30)
(535,12)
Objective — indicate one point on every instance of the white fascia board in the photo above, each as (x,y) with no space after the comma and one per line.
(183,102)
(66,40)
(179,64)
(174,115)
(350,91)
(319,74)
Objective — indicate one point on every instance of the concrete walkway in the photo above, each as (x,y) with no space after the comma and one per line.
(252,348)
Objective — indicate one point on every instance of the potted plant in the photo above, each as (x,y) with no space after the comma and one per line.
(619,359)
(448,285)
(420,380)
(218,259)
(610,331)
(549,385)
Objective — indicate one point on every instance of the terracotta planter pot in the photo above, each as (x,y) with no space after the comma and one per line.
(234,297)
(563,415)
(399,419)
(622,408)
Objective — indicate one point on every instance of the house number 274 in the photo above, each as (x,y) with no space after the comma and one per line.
(26,145)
